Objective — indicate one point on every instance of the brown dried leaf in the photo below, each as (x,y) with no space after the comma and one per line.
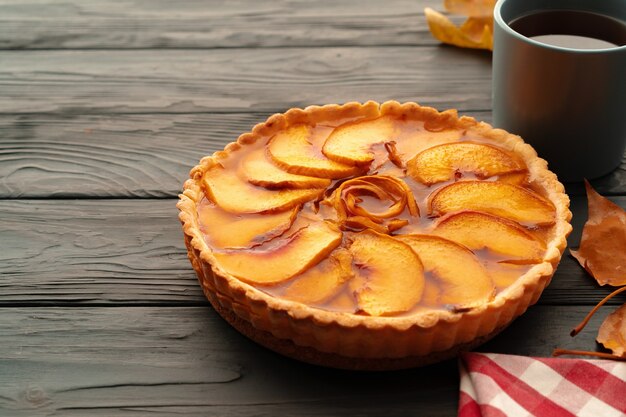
(603,245)
(475,32)
(470,8)
(612,333)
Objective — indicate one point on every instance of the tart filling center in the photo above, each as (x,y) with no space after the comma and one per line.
(382,216)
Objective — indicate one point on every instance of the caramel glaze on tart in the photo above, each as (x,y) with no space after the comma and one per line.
(328,227)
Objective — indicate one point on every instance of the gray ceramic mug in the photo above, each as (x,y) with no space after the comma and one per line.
(568,103)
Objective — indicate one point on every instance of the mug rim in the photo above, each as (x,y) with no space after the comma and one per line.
(497,17)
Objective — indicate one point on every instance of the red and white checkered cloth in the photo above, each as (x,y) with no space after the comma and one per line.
(494,385)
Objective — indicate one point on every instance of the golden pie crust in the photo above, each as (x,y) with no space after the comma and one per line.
(352,341)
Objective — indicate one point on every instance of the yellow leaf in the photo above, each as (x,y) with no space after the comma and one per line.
(471,8)
(475,32)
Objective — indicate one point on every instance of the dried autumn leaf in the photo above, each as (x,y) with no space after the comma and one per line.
(603,242)
(472,8)
(612,333)
(475,32)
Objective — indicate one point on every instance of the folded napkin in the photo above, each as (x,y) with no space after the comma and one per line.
(494,385)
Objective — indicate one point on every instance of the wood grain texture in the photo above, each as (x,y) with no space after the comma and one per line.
(131,252)
(188,361)
(39,24)
(109,156)
(128,251)
(139,156)
(235,80)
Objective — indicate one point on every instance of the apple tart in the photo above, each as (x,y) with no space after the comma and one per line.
(373,236)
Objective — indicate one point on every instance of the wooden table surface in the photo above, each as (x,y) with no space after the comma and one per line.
(105,105)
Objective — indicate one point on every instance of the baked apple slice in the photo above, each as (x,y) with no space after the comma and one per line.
(418,139)
(298,150)
(504,200)
(228,230)
(259,171)
(351,143)
(389,276)
(505,274)
(505,238)
(515,178)
(227,190)
(465,282)
(277,261)
(323,280)
(443,162)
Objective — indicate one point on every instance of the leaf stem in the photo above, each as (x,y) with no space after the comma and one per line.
(583,323)
(603,355)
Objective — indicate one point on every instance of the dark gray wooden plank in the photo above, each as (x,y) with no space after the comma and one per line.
(98,251)
(131,252)
(109,156)
(141,156)
(37,24)
(235,80)
(187,361)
